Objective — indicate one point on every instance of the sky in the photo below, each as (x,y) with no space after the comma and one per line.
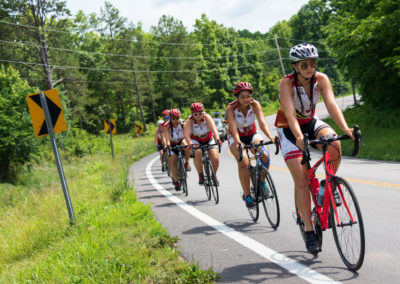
(253,15)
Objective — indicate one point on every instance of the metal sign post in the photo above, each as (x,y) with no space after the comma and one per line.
(110,131)
(57,157)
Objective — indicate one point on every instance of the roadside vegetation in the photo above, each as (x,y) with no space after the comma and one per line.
(115,238)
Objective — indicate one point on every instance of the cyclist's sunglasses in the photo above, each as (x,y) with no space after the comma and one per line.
(166,117)
(197,113)
(304,65)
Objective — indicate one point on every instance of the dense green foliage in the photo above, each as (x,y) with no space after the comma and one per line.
(17,142)
(116,238)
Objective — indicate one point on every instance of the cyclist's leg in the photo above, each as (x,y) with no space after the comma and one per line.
(334,149)
(187,152)
(242,166)
(214,156)
(198,164)
(173,165)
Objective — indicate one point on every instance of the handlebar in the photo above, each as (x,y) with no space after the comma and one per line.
(326,141)
(177,147)
(256,145)
(206,146)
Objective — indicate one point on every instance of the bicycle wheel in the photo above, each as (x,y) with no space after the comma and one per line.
(213,187)
(182,177)
(165,162)
(207,180)
(270,202)
(349,236)
(254,191)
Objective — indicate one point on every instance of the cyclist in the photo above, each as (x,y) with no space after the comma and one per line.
(159,135)
(173,134)
(299,94)
(241,115)
(200,129)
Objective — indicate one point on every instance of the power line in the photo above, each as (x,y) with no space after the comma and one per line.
(134,56)
(137,71)
(151,42)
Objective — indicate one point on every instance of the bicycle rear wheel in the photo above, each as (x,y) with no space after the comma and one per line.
(182,177)
(270,203)
(254,191)
(212,182)
(207,180)
(349,236)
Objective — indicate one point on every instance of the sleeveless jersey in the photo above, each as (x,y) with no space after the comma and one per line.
(175,133)
(246,125)
(200,131)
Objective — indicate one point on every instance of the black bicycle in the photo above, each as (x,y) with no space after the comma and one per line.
(258,172)
(182,175)
(210,178)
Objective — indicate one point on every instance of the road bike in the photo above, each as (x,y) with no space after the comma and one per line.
(344,219)
(210,178)
(165,162)
(182,174)
(258,172)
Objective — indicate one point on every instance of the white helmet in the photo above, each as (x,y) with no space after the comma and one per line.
(303,51)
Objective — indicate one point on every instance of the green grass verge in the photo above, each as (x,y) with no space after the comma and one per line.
(380,131)
(115,239)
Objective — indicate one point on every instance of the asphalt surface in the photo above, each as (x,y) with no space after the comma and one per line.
(224,237)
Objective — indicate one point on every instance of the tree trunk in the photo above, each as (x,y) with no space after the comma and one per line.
(138,95)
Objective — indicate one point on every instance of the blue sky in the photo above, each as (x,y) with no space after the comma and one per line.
(254,15)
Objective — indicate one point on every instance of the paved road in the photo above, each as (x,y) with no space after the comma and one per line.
(223,236)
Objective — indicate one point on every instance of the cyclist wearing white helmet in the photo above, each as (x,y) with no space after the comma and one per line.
(299,94)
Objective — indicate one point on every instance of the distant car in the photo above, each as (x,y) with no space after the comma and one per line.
(222,128)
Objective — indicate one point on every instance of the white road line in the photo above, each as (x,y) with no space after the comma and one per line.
(287,263)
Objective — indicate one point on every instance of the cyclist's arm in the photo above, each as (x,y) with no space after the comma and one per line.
(187,131)
(334,111)
(211,125)
(286,94)
(232,124)
(261,119)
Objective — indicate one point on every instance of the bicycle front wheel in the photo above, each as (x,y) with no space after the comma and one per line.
(270,200)
(255,193)
(165,162)
(212,182)
(207,180)
(348,234)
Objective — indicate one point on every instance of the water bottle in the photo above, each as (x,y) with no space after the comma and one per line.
(321,192)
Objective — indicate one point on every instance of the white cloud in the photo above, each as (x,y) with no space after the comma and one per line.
(254,15)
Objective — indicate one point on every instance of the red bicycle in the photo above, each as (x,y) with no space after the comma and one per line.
(343,216)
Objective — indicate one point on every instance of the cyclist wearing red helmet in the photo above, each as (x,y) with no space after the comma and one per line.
(299,93)
(159,140)
(200,129)
(173,134)
(241,115)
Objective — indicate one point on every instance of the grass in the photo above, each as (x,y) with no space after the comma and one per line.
(380,132)
(115,239)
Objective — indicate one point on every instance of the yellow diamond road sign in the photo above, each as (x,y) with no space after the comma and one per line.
(107,127)
(37,113)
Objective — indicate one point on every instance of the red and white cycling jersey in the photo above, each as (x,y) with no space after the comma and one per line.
(305,114)
(246,125)
(175,133)
(200,131)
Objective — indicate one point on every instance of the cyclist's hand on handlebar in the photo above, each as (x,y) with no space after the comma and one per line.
(300,143)
(350,132)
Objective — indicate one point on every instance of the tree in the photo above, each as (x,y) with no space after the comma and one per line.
(17,141)
(366,37)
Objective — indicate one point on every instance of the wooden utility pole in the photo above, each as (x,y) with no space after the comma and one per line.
(151,98)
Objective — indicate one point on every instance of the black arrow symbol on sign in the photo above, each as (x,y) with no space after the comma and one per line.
(111,126)
(53,109)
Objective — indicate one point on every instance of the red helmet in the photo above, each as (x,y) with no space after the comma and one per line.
(242,86)
(197,107)
(175,112)
(165,112)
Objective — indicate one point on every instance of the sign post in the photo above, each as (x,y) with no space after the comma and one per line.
(109,126)
(51,118)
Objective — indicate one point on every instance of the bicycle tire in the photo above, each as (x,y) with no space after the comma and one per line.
(254,191)
(271,204)
(351,250)
(182,177)
(207,179)
(213,186)
(165,162)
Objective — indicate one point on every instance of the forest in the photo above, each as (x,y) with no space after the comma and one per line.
(106,67)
